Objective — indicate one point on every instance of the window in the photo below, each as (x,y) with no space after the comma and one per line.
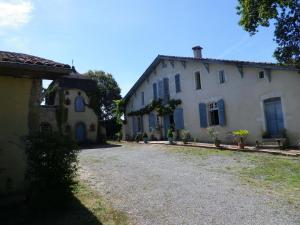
(261,75)
(143,98)
(177,83)
(166,91)
(79,104)
(213,114)
(154,86)
(198,80)
(222,76)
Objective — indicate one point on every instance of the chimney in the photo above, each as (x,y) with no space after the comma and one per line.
(197,52)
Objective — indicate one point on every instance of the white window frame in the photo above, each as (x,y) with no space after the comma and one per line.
(212,106)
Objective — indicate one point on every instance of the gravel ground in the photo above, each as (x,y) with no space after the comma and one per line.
(155,186)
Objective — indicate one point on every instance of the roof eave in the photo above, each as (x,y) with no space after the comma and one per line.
(33,71)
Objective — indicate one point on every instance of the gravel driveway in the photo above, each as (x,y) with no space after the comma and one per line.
(155,186)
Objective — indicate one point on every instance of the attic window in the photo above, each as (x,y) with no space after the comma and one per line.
(261,75)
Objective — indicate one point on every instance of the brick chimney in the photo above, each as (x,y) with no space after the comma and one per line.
(197,52)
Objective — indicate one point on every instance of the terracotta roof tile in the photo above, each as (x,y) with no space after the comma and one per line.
(29,59)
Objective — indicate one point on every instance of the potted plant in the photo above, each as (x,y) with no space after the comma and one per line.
(137,138)
(240,136)
(170,136)
(214,136)
(145,138)
(185,136)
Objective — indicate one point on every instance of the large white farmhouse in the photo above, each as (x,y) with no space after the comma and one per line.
(263,98)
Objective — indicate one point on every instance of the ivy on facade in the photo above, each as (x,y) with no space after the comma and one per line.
(158,106)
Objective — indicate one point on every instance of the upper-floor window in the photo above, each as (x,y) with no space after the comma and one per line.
(143,98)
(166,90)
(79,103)
(222,77)
(261,75)
(154,86)
(198,80)
(177,83)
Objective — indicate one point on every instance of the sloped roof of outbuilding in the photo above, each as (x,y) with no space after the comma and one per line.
(19,64)
(159,58)
(77,81)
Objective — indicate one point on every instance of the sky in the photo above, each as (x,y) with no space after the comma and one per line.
(123,37)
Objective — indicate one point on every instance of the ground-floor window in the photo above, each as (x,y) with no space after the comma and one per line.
(213,114)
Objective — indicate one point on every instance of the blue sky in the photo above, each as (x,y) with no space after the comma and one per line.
(122,37)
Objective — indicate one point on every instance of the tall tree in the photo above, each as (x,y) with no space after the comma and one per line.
(286,17)
(108,91)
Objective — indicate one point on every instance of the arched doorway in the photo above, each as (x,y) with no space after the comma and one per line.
(80,132)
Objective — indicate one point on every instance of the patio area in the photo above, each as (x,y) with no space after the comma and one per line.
(287,152)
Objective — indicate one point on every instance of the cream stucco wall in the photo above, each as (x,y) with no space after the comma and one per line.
(88,117)
(243,97)
(15,95)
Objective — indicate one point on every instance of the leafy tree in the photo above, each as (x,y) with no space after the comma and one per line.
(286,17)
(118,110)
(103,99)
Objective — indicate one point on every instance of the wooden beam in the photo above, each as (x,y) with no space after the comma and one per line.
(240,69)
(183,64)
(206,65)
(172,63)
(268,73)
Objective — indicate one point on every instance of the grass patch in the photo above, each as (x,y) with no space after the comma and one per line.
(86,208)
(196,151)
(99,207)
(278,174)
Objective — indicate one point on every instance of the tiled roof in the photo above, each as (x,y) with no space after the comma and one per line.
(20,58)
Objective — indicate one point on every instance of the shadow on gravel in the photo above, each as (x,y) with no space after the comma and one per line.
(75,214)
(87,147)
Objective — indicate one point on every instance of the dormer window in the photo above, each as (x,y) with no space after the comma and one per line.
(261,75)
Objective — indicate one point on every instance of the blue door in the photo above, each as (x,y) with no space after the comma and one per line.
(274,116)
(166,125)
(80,132)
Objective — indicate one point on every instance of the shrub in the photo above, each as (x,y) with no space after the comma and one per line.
(170,132)
(185,136)
(145,135)
(138,137)
(119,136)
(52,167)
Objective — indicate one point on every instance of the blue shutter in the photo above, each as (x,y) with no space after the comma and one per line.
(160,89)
(203,115)
(178,119)
(154,91)
(151,122)
(221,107)
(177,83)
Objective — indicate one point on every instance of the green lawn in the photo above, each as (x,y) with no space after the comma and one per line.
(277,175)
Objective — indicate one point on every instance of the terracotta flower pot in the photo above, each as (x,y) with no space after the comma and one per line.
(241,145)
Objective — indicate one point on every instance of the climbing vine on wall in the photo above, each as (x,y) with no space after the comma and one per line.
(158,106)
(61,111)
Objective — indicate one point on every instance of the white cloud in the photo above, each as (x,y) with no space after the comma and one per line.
(14,14)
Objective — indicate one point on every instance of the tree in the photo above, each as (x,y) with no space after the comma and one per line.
(118,110)
(103,98)
(286,17)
